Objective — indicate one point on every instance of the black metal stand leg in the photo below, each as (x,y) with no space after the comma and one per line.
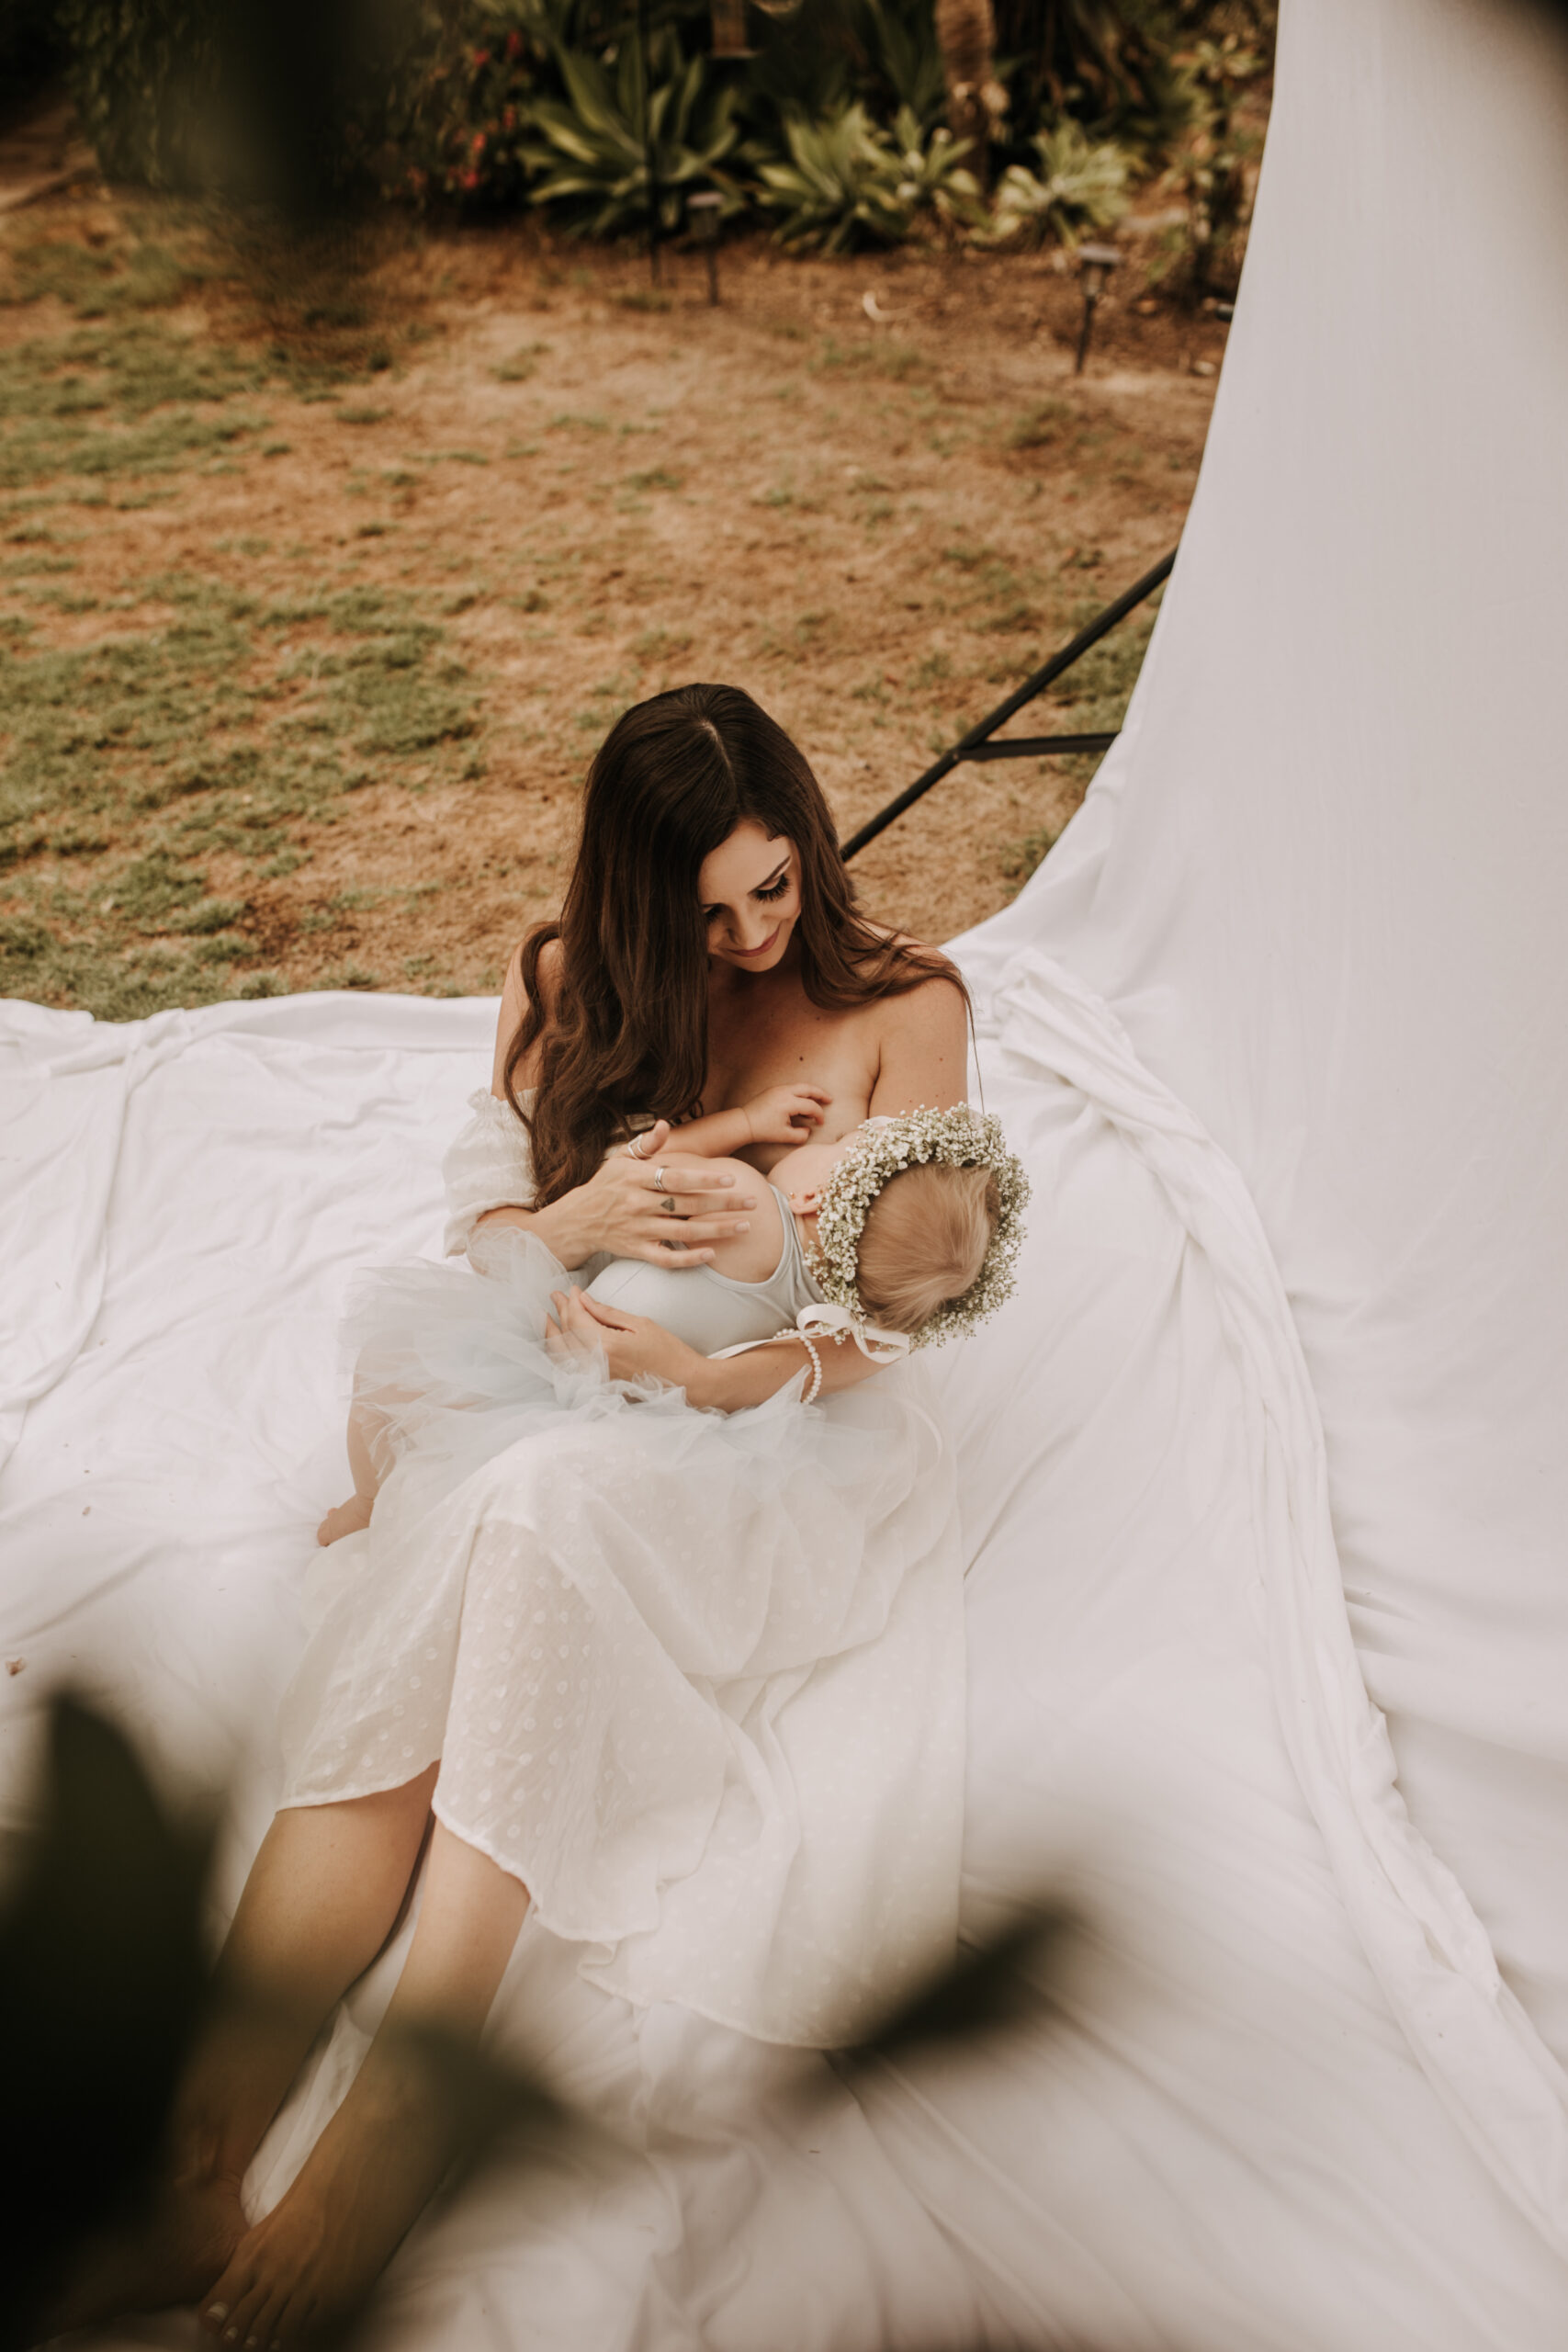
(1084,332)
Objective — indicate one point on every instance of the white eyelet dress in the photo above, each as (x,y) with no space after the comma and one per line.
(697,1679)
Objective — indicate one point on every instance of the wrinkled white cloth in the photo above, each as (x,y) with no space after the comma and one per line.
(1468,2031)
(1220,2138)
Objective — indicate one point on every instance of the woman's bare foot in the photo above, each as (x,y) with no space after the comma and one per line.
(346,1519)
(316,2259)
(170,2258)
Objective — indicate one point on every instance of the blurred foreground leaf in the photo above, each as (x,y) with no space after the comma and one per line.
(1000,1986)
(102,1982)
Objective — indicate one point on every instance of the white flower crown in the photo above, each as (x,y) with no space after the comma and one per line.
(961,1137)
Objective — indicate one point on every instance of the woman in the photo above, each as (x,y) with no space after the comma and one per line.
(758,1608)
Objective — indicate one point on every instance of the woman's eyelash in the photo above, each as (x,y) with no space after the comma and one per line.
(769,891)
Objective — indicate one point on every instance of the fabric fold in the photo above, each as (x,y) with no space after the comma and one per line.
(1429,1952)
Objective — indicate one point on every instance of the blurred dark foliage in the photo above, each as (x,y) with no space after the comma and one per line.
(102,1985)
(139,71)
(299,86)
(32,49)
(277,102)
(311,106)
(992,1990)
(1108,63)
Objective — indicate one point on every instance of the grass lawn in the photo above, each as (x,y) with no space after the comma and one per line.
(320,577)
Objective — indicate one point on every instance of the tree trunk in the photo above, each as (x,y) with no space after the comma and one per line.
(967,32)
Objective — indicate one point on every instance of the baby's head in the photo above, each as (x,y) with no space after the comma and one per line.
(924,1242)
(917,1220)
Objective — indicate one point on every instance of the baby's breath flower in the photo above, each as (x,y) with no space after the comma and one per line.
(963,1138)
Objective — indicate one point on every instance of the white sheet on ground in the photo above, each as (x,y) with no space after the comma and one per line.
(1319,885)
(1234,2077)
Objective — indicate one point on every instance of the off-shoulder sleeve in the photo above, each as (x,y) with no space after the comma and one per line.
(489,1166)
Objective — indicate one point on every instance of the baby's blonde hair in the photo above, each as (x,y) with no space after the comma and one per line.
(924,1241)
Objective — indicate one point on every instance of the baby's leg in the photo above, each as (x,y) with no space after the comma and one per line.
(350,1517)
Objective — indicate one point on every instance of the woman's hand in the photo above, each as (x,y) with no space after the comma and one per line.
(624,1210)
(633,1346)
(785,1113)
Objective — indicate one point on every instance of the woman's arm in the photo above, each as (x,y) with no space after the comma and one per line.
(924,1047)
(514,1005)
(620,1208)
(633,1346)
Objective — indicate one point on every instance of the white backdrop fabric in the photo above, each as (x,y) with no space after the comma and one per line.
(1321,881)
(1273,1423)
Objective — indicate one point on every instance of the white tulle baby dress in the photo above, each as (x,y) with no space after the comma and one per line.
(697,1679)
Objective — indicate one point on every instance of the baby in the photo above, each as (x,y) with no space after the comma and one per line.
(924,1239)
(903,1231)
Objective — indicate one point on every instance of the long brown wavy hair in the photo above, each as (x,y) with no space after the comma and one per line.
(625,1030)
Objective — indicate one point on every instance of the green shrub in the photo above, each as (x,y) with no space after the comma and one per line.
(846,183)
(900,58)
(1204,255)
(284,101)
(589,149)
(143,75)
(455,124)
(1109,64)
(932,177)
(1081,184)
(836,126)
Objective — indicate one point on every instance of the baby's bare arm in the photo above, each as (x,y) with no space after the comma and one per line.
(731,1385)
(715,1137)
(782,1114)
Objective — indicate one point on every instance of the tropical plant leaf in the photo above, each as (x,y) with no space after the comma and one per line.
(591,150)
(904,53)
(846,183)
(1081,184)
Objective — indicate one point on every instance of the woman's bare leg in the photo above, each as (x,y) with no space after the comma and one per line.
(323,1894)
(319,2253)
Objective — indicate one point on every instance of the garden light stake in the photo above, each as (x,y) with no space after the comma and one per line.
(702,211)
(1095,265)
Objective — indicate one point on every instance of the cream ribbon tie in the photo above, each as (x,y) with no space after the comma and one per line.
(825,1322)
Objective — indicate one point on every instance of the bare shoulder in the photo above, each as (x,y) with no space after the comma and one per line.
(938,1003)
(922,1048)
(942,988)
(940,999)
(514,1007)
(546,972)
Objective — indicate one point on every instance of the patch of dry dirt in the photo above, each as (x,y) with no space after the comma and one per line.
(877,527)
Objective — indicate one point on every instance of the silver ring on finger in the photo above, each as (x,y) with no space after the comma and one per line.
(637,1148)
(658,1180)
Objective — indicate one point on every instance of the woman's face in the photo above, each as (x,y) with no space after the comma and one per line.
(749,890)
